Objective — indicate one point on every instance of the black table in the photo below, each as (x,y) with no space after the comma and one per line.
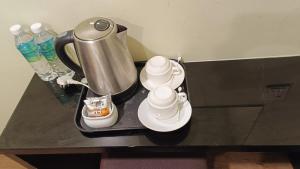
(244,104)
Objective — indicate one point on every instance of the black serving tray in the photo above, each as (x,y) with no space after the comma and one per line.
(127,111)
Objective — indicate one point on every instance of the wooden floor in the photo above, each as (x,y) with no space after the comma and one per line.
(13,162)
(245,160)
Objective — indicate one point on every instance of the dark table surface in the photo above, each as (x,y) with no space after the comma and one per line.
(237,103)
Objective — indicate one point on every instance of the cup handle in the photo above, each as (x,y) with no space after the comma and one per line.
(182,97)
(175,68)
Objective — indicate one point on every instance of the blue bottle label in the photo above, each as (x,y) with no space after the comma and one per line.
(30,51)
(47,49)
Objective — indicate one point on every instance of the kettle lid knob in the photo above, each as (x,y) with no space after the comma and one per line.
(101,25)
(95,28)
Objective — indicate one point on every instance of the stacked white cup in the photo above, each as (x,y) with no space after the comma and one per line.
(160,70)
(164,102)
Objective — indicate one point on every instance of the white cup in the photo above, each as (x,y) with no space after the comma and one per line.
(164,102)
(160,69)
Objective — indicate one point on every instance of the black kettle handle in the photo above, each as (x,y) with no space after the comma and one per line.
(60,42)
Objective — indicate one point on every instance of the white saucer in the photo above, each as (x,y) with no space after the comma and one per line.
(174,82)
(174,123)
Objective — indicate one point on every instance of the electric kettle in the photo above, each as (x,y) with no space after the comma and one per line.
(101,48)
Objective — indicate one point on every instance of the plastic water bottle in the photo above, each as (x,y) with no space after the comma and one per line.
(45,41)
(24,42)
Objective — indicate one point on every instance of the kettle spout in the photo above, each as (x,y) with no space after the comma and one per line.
(122,34)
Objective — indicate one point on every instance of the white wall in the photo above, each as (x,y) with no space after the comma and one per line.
(196,29)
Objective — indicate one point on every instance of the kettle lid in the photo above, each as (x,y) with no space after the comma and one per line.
(94,28)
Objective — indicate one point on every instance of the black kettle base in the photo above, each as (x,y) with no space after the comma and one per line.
(125,95)
(121,97)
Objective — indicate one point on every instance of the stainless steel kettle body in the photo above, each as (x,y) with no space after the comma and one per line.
(103,54)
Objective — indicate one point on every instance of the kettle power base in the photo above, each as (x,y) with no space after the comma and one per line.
(127,105)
